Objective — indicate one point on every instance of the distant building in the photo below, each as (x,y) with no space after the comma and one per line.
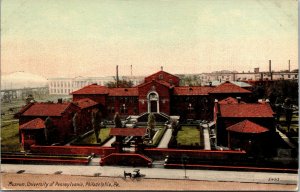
(64,86)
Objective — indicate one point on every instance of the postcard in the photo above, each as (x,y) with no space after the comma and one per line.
(149,95)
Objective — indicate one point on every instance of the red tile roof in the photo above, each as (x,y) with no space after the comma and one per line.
(247,126)
(91,89)
(46,109)
(228,87)
(230,100)
(160,82)
(197,90)
(33,124)
(123,91)
(85,103)
(149,78)
(128,131)
(246,110)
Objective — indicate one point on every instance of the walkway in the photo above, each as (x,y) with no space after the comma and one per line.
(286,139)
(109,142)
(206,139)
(165,140)
(114,171)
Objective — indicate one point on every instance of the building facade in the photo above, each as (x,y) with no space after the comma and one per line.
(161,93)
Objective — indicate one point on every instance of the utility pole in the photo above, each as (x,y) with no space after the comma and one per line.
(117,76)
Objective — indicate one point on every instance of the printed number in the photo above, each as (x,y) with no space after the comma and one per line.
(274,179)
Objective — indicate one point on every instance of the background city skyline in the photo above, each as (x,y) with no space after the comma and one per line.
(89,38)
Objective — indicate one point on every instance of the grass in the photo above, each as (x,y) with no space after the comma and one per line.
(91,139)
(10,138)
(188,135)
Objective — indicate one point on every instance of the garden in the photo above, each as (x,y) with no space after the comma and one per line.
(90,138)
(187,137)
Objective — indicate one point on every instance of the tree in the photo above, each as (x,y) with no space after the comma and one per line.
(96,120)
(121,83)
(75,122)
(151,124)
(288,112)
(48,130)
(118,124)
(117,120)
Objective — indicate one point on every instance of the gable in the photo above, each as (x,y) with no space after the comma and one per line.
(163,76)
(161,88)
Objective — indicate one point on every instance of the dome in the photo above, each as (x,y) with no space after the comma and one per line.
(20,80)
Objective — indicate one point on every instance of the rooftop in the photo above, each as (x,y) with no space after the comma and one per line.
(85,103)
(33,124)
(246,110)
(123,91)
(196,90)
(247,126)
(92,89)
(45,109)
(228,87)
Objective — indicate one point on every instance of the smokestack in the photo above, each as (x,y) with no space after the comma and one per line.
(117,76)
(131,70)
(289,65)
(270,69)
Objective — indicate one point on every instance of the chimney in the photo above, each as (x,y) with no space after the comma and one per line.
(289,65)
(59,100)
(131,70)
(161,68)
(117,76)
(238,99)
(256,70)
(270,69)
(210,84)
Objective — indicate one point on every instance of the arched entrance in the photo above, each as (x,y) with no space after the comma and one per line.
(153,102)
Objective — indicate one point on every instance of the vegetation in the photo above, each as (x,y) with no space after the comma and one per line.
(158,135)
(91,139)
(117,120)
(282,88)
(96,120)
(10,138)
(121,83)
(188,136)
(151,124)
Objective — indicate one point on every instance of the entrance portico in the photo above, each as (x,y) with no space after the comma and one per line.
(153,102)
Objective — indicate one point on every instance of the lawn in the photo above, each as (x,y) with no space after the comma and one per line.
(91,139)
(10,138)
(188,135)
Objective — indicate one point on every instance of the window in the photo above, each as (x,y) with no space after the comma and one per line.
(289,76)
(160,76)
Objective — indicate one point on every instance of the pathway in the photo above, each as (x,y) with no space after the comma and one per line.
(286,139)
(165,140)
(109,142)
(206,139)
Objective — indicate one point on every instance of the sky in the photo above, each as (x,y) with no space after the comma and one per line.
(68,38)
